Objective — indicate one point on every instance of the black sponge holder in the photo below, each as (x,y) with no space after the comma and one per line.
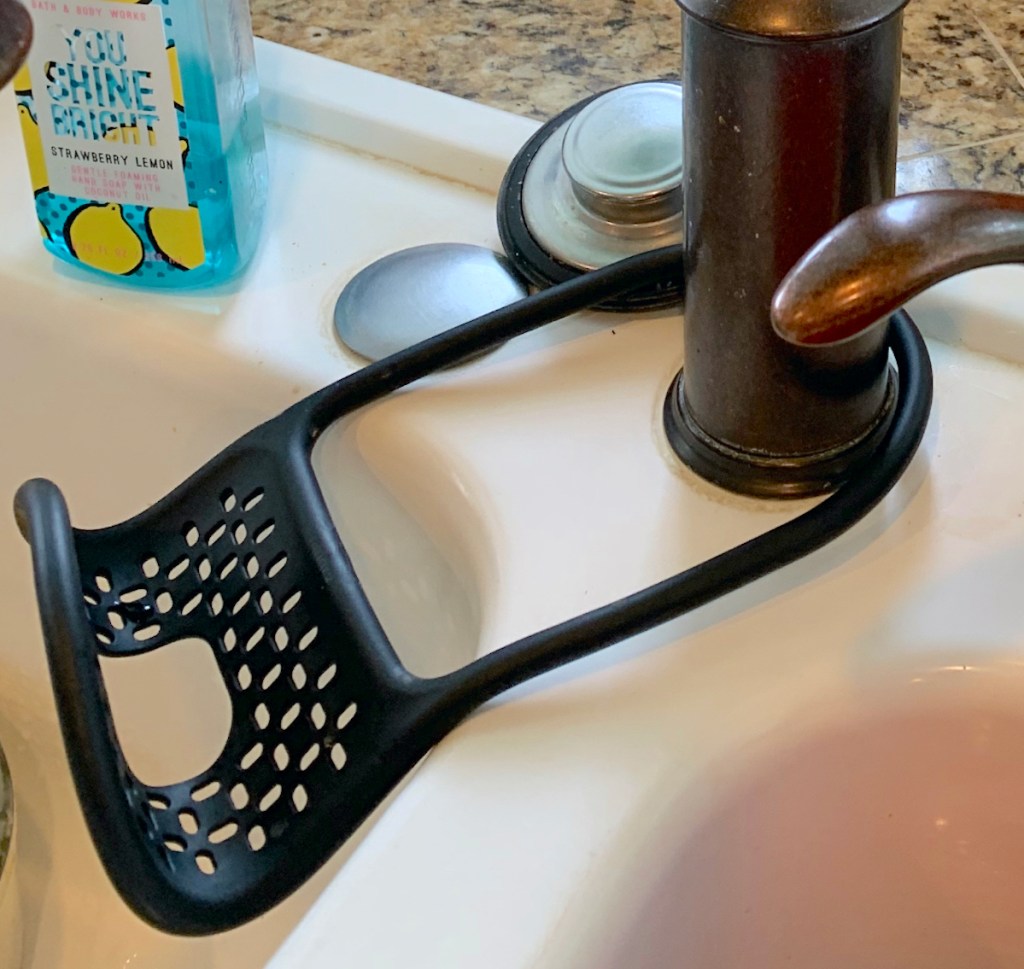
(325,720)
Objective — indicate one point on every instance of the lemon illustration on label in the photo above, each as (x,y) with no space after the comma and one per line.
(177,96)
(98,236)
(178,235)
(44,231)
(22,82)
(33,149)
(128,134)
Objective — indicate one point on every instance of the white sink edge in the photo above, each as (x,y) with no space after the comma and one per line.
(393,119)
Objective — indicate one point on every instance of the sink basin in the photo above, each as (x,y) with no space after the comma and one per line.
(566,823)
(890,834)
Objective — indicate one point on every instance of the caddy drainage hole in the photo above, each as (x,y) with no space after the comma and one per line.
(171,710)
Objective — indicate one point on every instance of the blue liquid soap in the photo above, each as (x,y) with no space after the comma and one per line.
(144,137)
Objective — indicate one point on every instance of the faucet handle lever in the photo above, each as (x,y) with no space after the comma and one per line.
(877,259)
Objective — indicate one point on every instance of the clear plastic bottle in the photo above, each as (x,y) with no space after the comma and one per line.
(144,137)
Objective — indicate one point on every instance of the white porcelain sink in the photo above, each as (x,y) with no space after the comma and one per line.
(594,817)
(890,834)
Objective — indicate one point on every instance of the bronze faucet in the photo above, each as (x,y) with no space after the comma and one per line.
(790,118)
(796,252)
(15,38)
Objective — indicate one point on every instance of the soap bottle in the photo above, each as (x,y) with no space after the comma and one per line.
(144,137)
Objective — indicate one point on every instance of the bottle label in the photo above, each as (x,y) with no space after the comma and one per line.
(105,83)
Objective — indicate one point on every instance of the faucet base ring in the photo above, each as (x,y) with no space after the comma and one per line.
(765,475)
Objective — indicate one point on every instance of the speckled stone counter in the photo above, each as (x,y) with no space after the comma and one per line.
(963,65)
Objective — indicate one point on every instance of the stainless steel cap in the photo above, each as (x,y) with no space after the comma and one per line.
(417,293)
(623,153)
(607,183)
(801,19)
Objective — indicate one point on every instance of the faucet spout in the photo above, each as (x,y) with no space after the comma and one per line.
(877,259)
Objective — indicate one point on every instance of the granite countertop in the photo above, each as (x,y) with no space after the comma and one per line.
(963,65)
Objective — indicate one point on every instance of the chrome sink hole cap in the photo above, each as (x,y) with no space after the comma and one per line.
(795,19)
(419,292)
